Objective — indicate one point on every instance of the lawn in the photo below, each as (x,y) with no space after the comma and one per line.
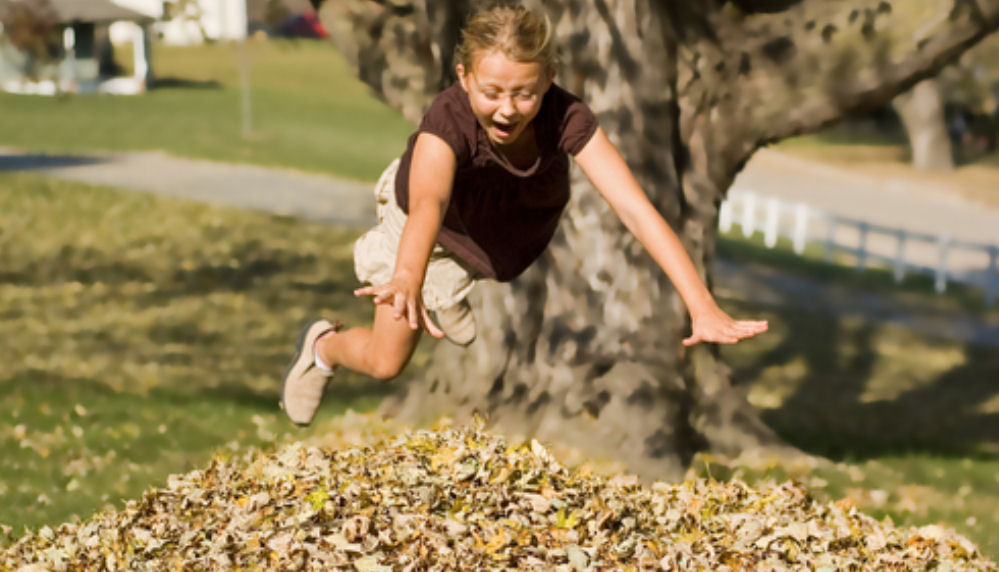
(308,113)
(139,346)
(910,422)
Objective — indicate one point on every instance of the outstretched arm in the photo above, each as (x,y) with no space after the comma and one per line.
(431,177)
(608,172)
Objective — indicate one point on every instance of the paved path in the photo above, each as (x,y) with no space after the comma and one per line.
(292,193)
(349,203)
(904,204)
(898,203)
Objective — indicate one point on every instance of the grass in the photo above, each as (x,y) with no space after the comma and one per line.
(918,289)
(137,346)
(142,346)
(308,113)
(910,423)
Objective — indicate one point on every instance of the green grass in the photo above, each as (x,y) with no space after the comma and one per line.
(136,346)
(910,423)
(308,112)
(878,278)
(140,346)
(142,334)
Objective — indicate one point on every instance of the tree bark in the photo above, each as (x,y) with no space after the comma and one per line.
(921,110)
(584,348)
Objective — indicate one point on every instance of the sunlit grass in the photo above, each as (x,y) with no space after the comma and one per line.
(141,334)
(140,345)
(307,112)
(911,423)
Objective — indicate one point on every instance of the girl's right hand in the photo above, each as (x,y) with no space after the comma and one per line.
(404,295)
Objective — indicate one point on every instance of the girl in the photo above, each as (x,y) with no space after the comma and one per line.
(478,194)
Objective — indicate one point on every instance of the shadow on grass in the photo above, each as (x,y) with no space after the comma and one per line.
(852,404)
(876,280)
(181,83)
(256,263)
(42,162)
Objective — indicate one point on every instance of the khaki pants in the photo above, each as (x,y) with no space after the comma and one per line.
(448,280)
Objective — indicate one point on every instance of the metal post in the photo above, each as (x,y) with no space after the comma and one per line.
(69,45)
(244,82)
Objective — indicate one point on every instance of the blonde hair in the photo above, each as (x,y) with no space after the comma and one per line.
(519,33)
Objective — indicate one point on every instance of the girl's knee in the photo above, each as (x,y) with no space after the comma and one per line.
(386,368)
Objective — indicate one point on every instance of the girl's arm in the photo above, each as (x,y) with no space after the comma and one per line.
(430,178)
(608,172)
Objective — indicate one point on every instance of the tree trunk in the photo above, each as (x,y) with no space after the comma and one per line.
(584,348)
(922,113)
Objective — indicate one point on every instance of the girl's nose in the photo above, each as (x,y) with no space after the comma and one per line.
(507,108)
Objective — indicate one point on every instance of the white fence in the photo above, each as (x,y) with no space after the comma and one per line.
(942,257)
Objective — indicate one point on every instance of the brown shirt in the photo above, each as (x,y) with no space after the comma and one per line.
(501,218)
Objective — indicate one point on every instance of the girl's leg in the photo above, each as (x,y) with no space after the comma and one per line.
(381,351)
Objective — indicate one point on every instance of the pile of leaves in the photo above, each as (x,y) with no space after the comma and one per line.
(462,498)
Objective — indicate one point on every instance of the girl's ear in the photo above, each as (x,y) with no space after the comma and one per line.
(549,78)
(462,76)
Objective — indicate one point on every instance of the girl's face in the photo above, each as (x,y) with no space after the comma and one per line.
(505,94)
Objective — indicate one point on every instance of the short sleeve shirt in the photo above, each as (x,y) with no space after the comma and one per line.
(501,218)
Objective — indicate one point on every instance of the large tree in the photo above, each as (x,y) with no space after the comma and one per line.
(584,348)
(956,108)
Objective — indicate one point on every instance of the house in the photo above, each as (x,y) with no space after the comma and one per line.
(85,62)
(193,21)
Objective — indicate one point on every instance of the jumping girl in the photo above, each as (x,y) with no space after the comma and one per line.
(478,194)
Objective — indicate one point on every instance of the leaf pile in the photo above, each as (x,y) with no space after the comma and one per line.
(461,498)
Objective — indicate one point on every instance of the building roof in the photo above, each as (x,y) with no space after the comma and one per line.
(93,11)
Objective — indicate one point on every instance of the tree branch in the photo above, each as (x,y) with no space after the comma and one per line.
(774,75)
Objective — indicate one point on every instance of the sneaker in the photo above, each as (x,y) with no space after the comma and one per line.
(304,383)
(458,323)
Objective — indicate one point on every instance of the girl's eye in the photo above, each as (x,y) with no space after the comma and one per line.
(490,94)
(525,95)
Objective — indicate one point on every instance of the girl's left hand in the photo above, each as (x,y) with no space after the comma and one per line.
(716,326)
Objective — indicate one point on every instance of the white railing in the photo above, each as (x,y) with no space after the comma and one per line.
(944,258)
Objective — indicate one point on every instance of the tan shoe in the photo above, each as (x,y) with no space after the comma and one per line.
(458,323)
(304,383)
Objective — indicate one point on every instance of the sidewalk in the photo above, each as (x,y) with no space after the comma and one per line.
(892,202)
(312,197)
(349,203)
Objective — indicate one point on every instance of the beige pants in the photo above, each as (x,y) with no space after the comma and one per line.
(448,280)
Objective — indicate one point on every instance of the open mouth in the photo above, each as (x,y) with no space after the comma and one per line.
(504,129)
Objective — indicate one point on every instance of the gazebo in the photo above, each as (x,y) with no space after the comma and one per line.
(85,43)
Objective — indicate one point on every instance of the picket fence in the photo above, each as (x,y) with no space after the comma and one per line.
(944,258)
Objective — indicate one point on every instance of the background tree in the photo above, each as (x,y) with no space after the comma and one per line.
(584,348)
(952,117)
(32,28)
(924,117)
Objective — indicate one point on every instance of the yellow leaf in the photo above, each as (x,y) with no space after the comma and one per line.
(443,457)
(499,540)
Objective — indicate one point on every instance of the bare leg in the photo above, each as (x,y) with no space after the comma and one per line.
(380,352)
